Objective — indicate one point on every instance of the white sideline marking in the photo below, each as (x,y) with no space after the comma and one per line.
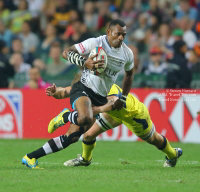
(159,161)
(175,181)
(189,162)
(121,159)
(49,163)
(61,163)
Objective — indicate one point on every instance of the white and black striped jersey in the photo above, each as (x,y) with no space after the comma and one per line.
(117,60)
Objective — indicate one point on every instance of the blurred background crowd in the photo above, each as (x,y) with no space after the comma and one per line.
(164,36)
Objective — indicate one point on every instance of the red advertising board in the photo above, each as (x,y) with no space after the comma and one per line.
(174,113)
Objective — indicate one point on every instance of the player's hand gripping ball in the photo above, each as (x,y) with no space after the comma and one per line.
(101,55)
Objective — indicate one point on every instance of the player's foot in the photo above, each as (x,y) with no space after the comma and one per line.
(172,162)
(79,161)
(57,121)
(31,163)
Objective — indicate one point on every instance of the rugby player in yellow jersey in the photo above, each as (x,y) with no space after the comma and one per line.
(134,115)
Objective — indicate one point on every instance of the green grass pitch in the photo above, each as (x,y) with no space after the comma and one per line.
(117,167)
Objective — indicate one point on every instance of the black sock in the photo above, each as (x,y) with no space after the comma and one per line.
(71,116)
(164,143)
(37,154)
(51,146)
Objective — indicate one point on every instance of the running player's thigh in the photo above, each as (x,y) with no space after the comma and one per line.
(107,122)
(76,128)
(112,120)
(84,106)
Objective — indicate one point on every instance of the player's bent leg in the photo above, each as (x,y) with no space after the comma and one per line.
(57,121)
(172,154)
(83,114)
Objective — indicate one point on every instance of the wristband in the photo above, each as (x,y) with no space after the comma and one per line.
(76,59)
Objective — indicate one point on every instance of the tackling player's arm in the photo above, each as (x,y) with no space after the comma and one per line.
(126,87)
(105,108)
(127,82)
(58,92)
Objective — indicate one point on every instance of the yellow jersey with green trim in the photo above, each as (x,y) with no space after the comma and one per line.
(134,114)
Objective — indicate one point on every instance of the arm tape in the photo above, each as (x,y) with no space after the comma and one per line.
(75,58)
(123,98)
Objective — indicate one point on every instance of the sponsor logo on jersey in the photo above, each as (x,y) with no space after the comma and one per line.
(10,114)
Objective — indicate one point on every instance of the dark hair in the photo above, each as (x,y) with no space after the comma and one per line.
(28,22)
(117,22)
(16,39)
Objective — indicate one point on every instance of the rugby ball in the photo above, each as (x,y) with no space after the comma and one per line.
(101,55)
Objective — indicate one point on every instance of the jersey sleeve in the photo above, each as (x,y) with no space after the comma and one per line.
(130,62)
(86,46)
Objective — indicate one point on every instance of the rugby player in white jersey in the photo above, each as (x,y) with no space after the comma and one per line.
(92,89)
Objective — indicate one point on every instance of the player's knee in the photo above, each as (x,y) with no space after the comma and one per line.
(88,137)
(84,120)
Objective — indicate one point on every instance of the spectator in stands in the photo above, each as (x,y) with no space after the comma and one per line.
(6,70)
(152,32)
(143,21)
(55,65)
(9,4)
(156,66)
(90,17)
(185,10)
(35,6)
(17,47)
(177,34)
(74,15)
(154,10)
(5,34)
(62,15)
(40,65)
(179,76)
(137,66)
(29,39)
(50,37)
(80,34)
(35,82)
(16,60)
(129,14)
(49,8)
(194,61)
(4,13)
(103,15)
(19,16)
(188,35)
(165,38)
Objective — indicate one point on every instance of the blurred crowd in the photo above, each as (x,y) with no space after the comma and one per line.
(164,36)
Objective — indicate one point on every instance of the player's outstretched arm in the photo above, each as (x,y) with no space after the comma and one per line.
(58,92)
(105,108)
